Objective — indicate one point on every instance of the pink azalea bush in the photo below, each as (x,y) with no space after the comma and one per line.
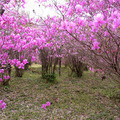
(90,28)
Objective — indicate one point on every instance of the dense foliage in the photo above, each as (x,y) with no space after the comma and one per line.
(88,30)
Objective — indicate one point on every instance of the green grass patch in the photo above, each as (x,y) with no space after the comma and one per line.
(72,98)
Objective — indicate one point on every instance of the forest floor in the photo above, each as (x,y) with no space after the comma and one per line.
(72,98)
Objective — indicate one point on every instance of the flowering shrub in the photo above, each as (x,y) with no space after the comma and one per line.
(92,29)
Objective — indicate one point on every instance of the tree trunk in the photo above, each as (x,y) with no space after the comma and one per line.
(59,66)
(55,63)
(18,72)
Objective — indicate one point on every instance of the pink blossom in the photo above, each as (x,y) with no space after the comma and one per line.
(3,62)
(25,61)
(116,23)
(22,56)
(1,101)
(7,77)
(2,22)
(91,69)
(47,103)
(71,27)
(18,63)
(21,66)
(1,79)
(13,62)
(78,8)
(70,11)
(1,70)
(111,1)
(44,106)
(98,19)
(95,45)
(81,21)
(33,58)
(3,105)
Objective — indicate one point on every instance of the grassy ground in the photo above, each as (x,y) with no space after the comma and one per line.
(86,98)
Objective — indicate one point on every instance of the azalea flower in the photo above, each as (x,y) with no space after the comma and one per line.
(98,19)
(79,8)
(18,63)
(25,61)
(44,106)
(7,77)
(1,101)
(47,103)
(1,79)
(1,70)
(21,66)
(3,104)
(95,46)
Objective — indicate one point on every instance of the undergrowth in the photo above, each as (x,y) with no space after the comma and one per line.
(72,98)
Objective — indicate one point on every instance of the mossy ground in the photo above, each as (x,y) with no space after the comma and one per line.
(86,98)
